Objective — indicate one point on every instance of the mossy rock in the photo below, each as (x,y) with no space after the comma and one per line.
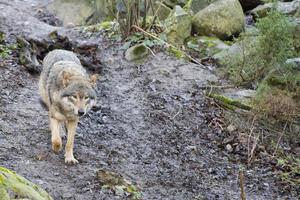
(222,19)
(136,53)
(197,5)
(12,185)
(178,26)
(207,46)
(230,103)
(160,10)
(288,8)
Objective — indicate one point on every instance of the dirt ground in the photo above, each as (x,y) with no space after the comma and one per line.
(150,125)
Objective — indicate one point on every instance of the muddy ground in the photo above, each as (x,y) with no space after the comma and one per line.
(150,126)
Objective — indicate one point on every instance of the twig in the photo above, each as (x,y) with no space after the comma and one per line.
(150,51)
(281,135)
(170,45)
(253,149)
(177,112)
(241,183)
(249,139)
(216,86)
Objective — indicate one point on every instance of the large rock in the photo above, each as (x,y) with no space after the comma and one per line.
(179,26)
(235,54)
(160,10)
(12,185)
(72,12)
(288,8)
(223,19)
(198,5)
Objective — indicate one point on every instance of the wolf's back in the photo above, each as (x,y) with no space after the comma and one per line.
(58,55)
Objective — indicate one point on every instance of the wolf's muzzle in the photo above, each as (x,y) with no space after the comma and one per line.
(81,112)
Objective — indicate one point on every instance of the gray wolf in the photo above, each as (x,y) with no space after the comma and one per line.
(69,94)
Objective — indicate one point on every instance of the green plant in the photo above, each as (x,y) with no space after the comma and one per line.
(289,168)
(265,53)
(4,51)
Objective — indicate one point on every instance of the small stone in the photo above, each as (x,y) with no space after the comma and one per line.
(266,184)
(136,52)
(70,25)
(231,128)
(229,148)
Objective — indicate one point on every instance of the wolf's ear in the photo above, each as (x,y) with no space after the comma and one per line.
(66,78)
(93,79)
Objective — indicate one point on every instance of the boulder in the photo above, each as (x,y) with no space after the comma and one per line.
(178,26)
(288,8)
(161,10)
(75,12)
(222,19)
(197,5)
(136,53)
(12,185)
(234,55)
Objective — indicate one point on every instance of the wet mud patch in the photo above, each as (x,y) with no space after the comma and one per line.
(151,125)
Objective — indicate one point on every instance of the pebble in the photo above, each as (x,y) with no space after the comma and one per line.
(231,128)
(229,148)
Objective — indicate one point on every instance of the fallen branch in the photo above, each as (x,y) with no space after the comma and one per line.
(228,102)
(241,183)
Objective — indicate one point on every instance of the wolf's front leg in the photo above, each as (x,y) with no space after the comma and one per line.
(71,126)
(55,135)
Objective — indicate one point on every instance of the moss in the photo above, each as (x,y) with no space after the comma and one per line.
(229,103)
(3,194)
(187,6)
(176,52)
(139,50)
(9,180)
(2,36)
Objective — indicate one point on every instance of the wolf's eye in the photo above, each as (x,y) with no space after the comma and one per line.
(73,96)
(86,98)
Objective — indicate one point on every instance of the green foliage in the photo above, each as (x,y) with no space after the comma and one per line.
(289,168)
(139,38)
(265,53)
(176,52)
(4,51)
(275,40)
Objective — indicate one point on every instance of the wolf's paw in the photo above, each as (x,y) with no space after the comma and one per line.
(69,159)
(56,146)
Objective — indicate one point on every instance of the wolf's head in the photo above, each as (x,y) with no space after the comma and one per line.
(78,95)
